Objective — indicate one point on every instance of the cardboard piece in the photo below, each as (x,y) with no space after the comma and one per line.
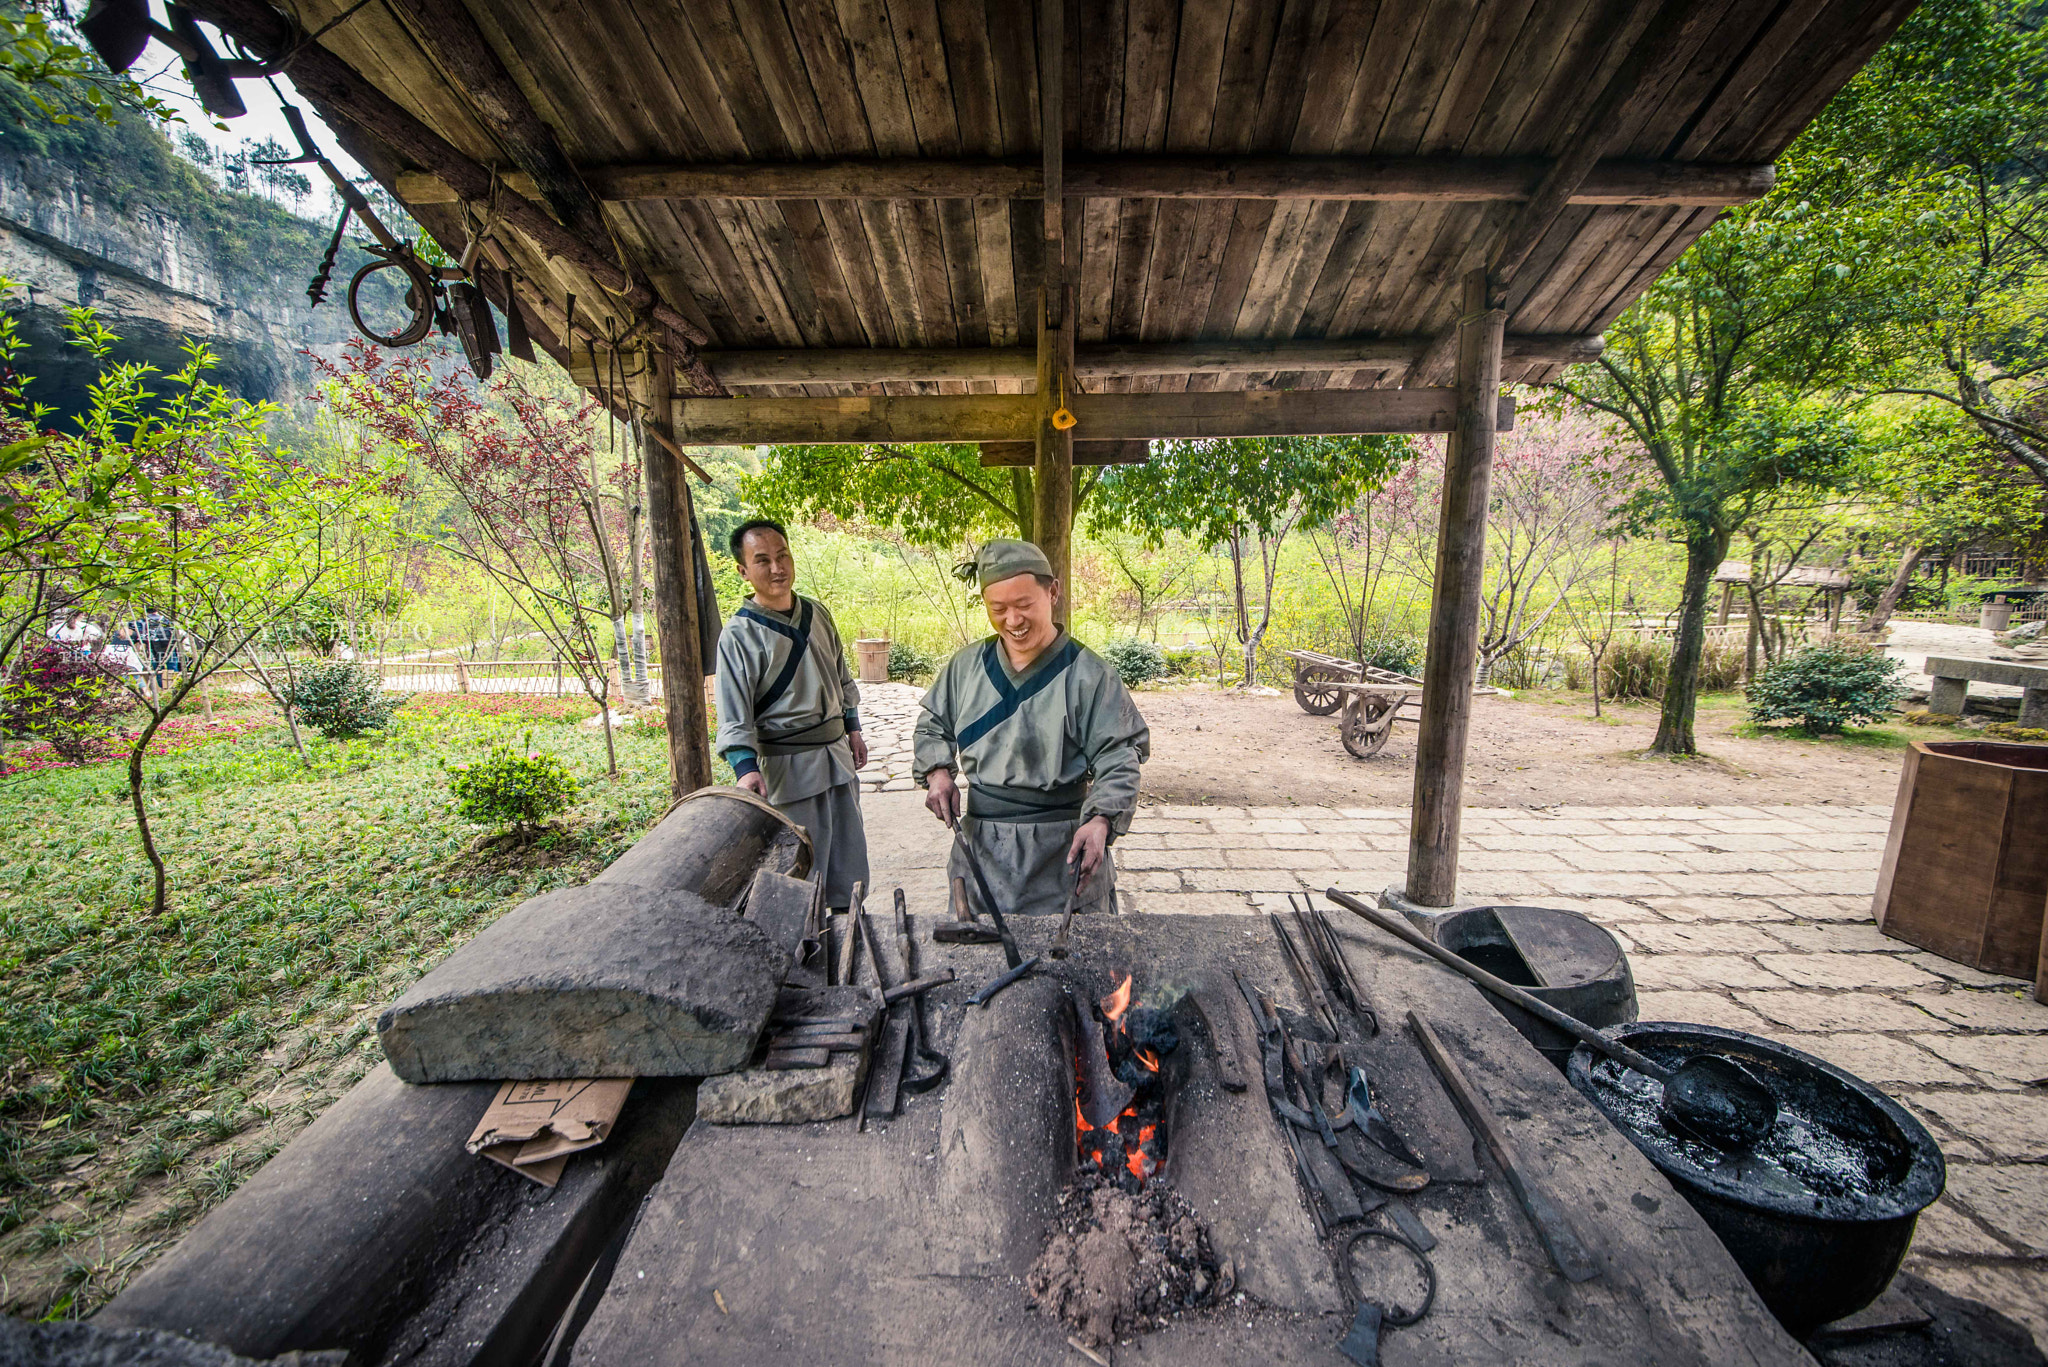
(533,1127)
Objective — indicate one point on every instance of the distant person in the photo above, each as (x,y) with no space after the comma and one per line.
(788,709)
(77,631)
(1047,739)
(157,636)
(119,655)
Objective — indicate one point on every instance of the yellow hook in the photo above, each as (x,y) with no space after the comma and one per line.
(1063,417)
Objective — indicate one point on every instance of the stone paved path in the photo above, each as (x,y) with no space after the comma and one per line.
(887,712)
(1755,918)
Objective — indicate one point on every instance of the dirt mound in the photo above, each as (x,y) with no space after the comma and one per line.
(1118,1264)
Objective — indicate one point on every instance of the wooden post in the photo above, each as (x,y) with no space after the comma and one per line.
(1454,609)
(1053,475)
(461,675)
(675,592)
(1727,598)
(558,676)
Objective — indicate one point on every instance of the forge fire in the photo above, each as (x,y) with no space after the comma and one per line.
(1120,1095)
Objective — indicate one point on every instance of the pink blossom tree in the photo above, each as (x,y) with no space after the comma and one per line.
(548,513)
(1558,479)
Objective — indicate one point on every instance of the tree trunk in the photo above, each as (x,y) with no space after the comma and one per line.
(1597,654)
(159,898)
(1704,552)
(1024,498)
(1888,601)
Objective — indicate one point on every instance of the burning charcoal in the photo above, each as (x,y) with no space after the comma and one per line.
(1153,1029)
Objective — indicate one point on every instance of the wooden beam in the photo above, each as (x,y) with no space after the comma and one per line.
(341,95)
(1052,138)
(676,627)
(880,365)
(1102,417)
(1423,179)
(452,40)
(1453,650)
(1052,480)
(1024,454)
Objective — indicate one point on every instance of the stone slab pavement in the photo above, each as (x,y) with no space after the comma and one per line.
(1755,918)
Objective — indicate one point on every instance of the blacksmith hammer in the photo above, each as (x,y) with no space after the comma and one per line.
(964,930)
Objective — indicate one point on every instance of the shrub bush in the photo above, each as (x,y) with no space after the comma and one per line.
(1135,661)
(342,698)
(1398,654)
(1187,662)
(1827,687)
(906,661)
(66,699)
(520,787)
(1635,667)
(2012,730)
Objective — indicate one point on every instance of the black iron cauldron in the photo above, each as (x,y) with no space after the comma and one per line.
(1558,956)
(1811,1259)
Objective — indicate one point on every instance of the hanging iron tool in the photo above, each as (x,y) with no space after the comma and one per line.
(995,913)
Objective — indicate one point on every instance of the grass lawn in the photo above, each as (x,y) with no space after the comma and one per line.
(150,1066)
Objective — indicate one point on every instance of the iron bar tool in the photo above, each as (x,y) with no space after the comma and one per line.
(1059,941)
(885,1068)
(965,844)
(982,997)
(1709,1097)
(1560,1240)
(941,1065)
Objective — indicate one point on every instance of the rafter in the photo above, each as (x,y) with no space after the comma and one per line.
(1100,417)
(1439,179)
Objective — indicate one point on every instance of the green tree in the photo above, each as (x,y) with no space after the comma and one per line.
(59,77)
(1947,133)
(939,493)
(192,513)
(1246,495)
(1732,374)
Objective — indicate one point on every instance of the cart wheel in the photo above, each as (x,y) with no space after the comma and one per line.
(1368,724)
(1312,690)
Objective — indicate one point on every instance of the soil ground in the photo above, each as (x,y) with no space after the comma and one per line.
(1530,750)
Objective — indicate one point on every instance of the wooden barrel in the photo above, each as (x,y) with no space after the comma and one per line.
(1965,870)
(872,656)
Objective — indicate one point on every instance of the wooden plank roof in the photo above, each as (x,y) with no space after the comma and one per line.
(842,197)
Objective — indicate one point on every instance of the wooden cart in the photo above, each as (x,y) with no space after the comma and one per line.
(1372,699)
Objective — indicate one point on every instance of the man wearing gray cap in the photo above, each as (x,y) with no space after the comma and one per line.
(1046,738)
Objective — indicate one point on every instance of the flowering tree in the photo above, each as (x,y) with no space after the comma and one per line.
(1558,479)
(1246,495)
(548,514)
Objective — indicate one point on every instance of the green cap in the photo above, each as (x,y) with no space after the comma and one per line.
(1004,558)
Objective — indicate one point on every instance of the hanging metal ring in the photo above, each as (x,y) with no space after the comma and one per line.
(419,296)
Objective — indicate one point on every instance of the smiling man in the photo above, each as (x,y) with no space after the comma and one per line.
(1046,738)
(788,722)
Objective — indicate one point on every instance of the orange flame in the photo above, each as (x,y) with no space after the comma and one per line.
(1147,1057)
(1118,1002)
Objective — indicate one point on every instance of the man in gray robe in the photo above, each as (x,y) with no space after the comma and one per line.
(1046,738)
(788,718)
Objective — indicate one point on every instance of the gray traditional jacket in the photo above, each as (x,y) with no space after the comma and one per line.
(1060,742)
(786,699)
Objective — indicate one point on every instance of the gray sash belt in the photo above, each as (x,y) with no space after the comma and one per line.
(995,802)
(813,737)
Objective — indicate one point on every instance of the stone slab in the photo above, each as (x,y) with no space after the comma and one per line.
(74,1343)
(1980,1009)
(796,1096)
(607,980)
